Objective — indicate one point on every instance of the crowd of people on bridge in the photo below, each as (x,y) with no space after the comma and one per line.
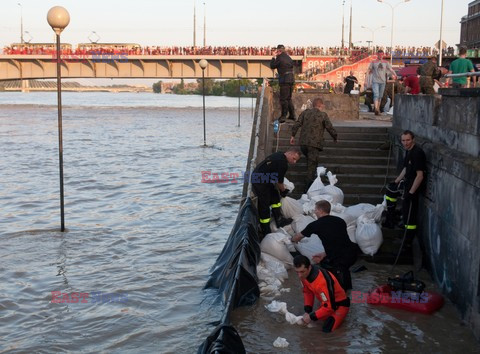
(133,49)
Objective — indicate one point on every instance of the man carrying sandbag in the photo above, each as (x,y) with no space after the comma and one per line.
(267,184)
(340,253)
(319,283)
(313,122)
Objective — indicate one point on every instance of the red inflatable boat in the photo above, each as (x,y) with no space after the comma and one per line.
(426,302)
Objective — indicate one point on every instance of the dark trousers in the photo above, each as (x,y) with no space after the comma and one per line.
(286,100)
(267,195)
(313,156)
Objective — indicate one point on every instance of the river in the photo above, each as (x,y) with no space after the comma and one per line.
(139,221)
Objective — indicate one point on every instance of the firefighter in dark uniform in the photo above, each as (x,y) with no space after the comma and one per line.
(267,184)
(428,72)
(284,65)
(411,181)
(313,122)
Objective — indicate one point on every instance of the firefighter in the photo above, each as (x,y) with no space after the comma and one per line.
(267,184)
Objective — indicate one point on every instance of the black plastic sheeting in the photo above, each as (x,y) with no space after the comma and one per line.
(234,274)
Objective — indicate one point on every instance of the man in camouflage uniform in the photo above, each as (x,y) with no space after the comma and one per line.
(313,123)
(389,93)
(428,73)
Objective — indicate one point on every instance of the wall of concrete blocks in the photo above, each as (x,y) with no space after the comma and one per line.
(447,127)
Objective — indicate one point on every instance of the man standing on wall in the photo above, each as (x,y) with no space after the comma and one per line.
(459,66)
(284,65)
(428,72)
(378,70)
(313,122)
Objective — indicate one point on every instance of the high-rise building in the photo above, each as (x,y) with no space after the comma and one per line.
(470,27)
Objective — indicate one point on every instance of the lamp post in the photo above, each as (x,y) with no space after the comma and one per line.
(343,24)
(440,46)
(204,25)
(194,25)
(239,76)
(59,18)
(373,33)
(203,65)
(21,22)
(391,34)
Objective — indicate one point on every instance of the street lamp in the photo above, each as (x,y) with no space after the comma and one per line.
(21,22)
(373,34)
(239,76)
(203,64)
(59,18)
(440,46)
(391,34)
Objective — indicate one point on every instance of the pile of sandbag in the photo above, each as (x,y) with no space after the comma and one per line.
(362,226)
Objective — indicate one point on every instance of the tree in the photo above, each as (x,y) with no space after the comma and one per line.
(157,87)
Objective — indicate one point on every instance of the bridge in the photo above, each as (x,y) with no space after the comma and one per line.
(18,66)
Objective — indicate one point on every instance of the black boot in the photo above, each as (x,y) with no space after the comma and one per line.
(265,228)
(291,111)
(279,219)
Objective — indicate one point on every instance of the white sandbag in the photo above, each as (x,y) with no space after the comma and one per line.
(288,229)
(280,343)
(291,207)
(323,196)
(368,235)
(304,198)
(335,192)
(310,246)
(376,213)
(337,208)
(317,185)
(300,222)
(274,267)
(359,209)
(351,230)
(288,185)
(275,245)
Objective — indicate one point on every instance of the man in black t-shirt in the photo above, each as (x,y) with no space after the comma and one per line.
(350,82)
(340,253)
(267,184)
(286,79)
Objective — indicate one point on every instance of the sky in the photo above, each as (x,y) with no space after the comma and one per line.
(240,22)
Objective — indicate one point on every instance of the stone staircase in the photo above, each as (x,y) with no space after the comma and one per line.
(359,159)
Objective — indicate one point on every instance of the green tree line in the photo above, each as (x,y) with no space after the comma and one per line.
(231,88)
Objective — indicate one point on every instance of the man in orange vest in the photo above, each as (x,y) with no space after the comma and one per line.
(321,284)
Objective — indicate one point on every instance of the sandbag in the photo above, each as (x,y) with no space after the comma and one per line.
(275,245)
(291,207)
(288,185)
(317,185)
(300,222)
(274,266)
(376,213)
(310,246)
(335,193)
(368,235)
(359,209)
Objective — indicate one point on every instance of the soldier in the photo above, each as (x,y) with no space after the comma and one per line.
(313,123)
(428,73)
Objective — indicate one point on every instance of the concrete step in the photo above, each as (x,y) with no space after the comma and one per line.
(284,144)
(287,126)
(286,134)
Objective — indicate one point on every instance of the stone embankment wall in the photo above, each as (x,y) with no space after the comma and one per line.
(338,106)
(447,127)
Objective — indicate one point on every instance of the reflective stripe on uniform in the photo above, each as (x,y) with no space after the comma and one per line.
(278,205)
(411,227)
(390,199)
(264,221)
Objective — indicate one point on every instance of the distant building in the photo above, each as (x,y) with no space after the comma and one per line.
(470,27)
